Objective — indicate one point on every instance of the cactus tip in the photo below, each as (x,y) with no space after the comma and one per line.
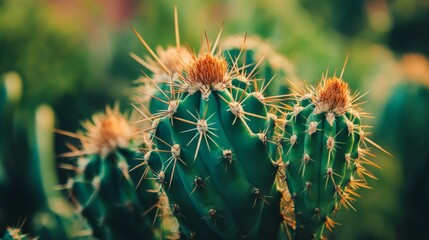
(333,94)
(207,69)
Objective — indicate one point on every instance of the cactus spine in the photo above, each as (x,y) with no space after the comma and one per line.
(258,58)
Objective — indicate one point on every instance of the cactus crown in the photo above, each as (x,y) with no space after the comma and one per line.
(107,132)
(206,69)
(333,94)
(103,134)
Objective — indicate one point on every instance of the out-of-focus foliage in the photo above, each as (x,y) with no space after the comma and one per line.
(410,30)
(28,176)
(404,126)
(50,58)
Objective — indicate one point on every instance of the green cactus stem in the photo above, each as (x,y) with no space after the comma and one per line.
(110,188)
(324,149)
(213,150)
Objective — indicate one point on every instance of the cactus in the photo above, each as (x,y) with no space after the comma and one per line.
(404,126)
(324,149)
(109,187)
(212,149)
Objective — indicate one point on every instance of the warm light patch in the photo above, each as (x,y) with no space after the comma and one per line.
(333,94)
(415,67)
(206,69)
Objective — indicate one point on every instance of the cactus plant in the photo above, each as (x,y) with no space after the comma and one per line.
(404,126)
(325,150)
(110,188)
(219,149)
(214,113)
(212,150)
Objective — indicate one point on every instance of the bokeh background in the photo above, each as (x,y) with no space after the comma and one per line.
(74,56)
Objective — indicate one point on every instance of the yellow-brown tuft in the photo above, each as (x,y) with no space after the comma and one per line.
(107,132)
(15,233)
(333,94)
(206,69)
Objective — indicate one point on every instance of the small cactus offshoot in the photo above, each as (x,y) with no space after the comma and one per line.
(325,152)
(110,188)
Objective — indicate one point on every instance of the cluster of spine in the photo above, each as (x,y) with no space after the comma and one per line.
(110,187)
(324,151)
(15,234)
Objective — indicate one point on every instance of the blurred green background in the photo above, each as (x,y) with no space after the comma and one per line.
(74,56)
